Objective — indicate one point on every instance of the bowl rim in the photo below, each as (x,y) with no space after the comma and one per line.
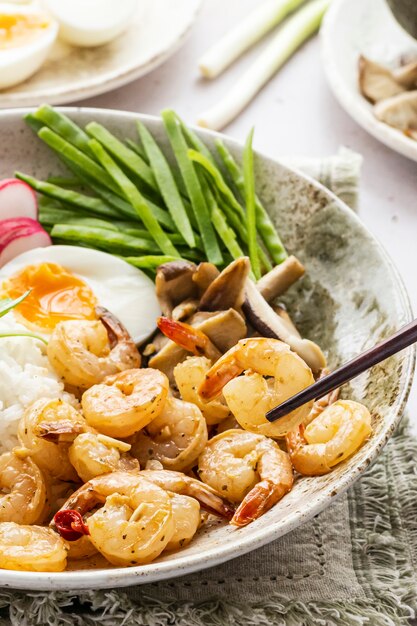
(162,570)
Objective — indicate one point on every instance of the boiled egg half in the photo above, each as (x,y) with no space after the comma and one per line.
(68,282)
(91,23)
(26,37)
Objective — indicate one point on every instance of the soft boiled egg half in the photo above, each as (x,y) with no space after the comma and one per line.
(90,23)
(68,282)
(26,37)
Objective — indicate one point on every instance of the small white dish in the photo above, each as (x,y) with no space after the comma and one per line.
(157,30)
(354,27)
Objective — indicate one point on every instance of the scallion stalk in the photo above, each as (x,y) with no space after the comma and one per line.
(290,37)
(244,35)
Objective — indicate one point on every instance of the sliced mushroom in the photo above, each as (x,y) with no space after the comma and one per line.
(204,276)
(280,278)
(406,75)
(228,289)
(185,309)
(264,319)
(224,329)
(399,111)
(285,317)
(174,284)
(377,82)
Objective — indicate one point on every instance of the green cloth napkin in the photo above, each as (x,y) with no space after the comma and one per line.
(353,564)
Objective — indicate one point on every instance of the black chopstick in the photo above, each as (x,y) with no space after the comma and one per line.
(402,339)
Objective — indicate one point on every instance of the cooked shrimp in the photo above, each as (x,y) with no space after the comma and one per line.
(126,402)
(187,519)
(251,396)
(22,489)
(322,403)
(31,548)
(175,438)
(332,437)
(94,454)
(136,522)
(177,482)
(189,375)
(47,429)
(85,352)
(189,338)
(246,468)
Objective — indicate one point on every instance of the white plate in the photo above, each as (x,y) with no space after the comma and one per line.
(158,30)
(354,27)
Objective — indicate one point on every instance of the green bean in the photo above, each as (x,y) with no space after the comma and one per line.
(64,181)
(266,228)
(64,127)
(193,187)
(149,261)
(68,196)
(32,122)
(218,180)
(249,180)
(138,149)
(226,234)
(111,240)
(134,197)
(194,140)
(166,184)
(124,207)
(50,215)
(91,222)
(74,157)
(124,155)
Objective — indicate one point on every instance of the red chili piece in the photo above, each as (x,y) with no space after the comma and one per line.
(70,525)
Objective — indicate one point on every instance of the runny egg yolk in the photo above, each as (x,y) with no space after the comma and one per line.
(56,295)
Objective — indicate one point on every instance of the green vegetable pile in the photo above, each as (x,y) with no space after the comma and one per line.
(125,197)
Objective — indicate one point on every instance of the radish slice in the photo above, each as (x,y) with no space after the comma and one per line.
(20,235)
(17,199)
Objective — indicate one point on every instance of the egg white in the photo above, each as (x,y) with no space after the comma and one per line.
(18,64)
(90,23)
(124,290)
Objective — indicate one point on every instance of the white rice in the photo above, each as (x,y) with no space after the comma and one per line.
(25,376)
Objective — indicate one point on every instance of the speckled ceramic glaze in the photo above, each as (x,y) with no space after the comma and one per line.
(351,298)
(157,30)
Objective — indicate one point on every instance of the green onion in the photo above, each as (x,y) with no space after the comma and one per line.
(135,198)
(193,187)
(166,184)
(244,35)
(249,179)
(24,334)
(7,304)
(289,38)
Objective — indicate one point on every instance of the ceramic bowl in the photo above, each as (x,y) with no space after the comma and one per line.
(354,27)
(351,298)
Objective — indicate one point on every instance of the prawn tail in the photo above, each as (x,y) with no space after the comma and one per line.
(212,503)
(114,327)
(187,337)
(259,500)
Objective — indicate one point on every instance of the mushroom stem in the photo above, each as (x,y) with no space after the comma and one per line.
(279,279)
